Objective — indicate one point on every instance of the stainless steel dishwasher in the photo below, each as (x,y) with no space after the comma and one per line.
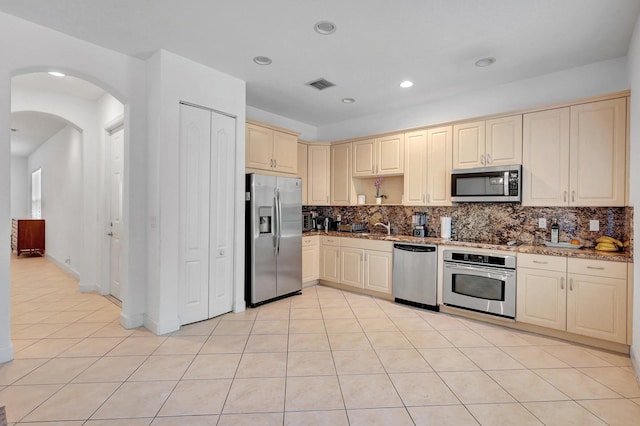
(415,268)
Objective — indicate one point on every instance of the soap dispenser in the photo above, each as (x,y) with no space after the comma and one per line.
(555,232)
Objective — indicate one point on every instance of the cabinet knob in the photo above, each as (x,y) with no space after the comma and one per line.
(573,196)
(488,158)
(110,234)
(564,196)
(571,284)
(562,283)
(482,159)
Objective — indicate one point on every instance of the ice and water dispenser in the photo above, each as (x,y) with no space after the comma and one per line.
(266,214)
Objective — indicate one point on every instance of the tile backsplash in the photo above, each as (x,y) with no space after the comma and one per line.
(494,222)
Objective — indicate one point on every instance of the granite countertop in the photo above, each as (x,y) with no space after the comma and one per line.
(582,253)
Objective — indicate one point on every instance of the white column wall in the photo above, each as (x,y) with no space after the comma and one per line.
(20,188)
(634,179)
(41,49)
(172,79)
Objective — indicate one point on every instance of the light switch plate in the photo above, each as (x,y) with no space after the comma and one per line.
(542,222)
(594,225)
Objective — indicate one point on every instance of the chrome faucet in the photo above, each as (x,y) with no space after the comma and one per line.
(387,226)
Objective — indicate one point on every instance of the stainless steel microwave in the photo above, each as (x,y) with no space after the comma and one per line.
(496,184)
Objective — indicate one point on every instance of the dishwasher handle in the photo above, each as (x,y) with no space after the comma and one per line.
(415,248)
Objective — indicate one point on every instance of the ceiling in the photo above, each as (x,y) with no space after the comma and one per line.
(377,45)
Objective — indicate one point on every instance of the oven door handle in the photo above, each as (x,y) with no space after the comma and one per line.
(484,269)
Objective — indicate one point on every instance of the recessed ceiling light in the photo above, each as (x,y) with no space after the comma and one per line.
(348,100)
(485,62)
(56,74)
(406,84)
(262,60)
(325,27)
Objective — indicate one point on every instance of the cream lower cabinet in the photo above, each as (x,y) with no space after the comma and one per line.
(580,296)
(363,264)
(310,258)
(330,258)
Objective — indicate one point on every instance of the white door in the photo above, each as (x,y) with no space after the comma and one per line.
(115,211)
(207,158)
(221,213)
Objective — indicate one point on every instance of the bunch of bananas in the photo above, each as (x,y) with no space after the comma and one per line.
(609,244)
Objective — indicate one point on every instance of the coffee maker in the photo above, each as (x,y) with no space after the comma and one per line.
(419,221)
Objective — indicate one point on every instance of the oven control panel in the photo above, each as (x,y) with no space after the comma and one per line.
(506,261)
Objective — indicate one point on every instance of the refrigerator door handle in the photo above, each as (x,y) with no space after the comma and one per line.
(278,217)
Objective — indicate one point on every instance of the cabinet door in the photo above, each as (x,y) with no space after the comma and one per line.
(259,147)
(541,298)
(330,263)
(285,154)
(352,266)
(319,165)
(415,168)
(364,158)
(439,159)
(545,158)
(598,153)
(390,155)
(504,141)
(377,274)
(341,182)
(302,170)
(597,307)
(310,263)
(468,145)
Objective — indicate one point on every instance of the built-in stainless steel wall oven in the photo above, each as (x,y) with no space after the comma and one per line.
(483,282)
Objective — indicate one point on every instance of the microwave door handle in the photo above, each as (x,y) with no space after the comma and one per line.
(505,184)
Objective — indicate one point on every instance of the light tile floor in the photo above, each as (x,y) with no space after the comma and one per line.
(326,357)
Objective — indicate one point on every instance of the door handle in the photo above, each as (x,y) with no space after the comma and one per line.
(562,283)
(573,196)
(482,159)
(571,284)
(110,234)
(564,196)
(488,158)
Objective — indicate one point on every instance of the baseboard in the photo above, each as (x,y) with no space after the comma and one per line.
(131,321)
(6,353)
(88,288)
(310,283)
(160,328)
(635,360)
(64,266)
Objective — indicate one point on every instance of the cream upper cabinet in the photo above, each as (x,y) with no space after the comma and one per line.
(318,173)
(585,297)
(488,143)
(302,170)
(545,158)
(341,183)
(271,149)
(439,162)
(382,156)
(468,145)
(415,168)
(503,141)
(598,153)
(576,156)
(310,258)
(427,174)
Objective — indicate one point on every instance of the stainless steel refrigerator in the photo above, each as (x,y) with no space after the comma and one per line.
(273,261)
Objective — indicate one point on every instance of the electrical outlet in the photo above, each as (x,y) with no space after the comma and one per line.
(594,225)
(542,222)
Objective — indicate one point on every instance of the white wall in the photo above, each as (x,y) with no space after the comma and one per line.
(20,188)
(590,80)
(307,131)
(634,190)
(60,159)
(41,49)
(171,79)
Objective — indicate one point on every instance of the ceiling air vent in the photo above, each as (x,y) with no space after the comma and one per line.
(320,84)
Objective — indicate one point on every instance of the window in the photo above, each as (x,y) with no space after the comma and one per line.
(36,194)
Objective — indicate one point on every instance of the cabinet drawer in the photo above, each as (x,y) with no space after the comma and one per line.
(331,241)
(310,241)
(539,261)
(367,244)
(598,268)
